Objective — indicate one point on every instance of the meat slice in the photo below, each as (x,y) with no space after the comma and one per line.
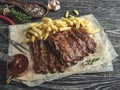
(60,44)
(83,35)
(44,60)
(54,63)
(36,55)
(78,45)
(40,57)
(72,45)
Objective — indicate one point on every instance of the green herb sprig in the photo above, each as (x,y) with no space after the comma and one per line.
(16,15)
(90,62)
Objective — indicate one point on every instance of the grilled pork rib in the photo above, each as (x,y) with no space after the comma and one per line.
(72,45)
(61,50)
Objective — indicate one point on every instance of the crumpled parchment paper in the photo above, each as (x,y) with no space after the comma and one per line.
(105,52)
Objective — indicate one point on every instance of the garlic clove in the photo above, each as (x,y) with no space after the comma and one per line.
(54,4)
(57,2)
(57,8)
(49,6)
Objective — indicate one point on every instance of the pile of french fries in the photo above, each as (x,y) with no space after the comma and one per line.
(42,30)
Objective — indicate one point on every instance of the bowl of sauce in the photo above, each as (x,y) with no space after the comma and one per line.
(19,65)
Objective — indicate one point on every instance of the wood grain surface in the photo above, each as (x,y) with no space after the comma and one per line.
(108,14)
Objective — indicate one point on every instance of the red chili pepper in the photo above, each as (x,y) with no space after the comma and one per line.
(7,19)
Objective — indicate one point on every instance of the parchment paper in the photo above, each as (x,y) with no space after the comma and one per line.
(105,52)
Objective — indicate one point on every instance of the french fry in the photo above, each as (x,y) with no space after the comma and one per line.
(26,41)
(59,23)
(74,22)
(67,14)
(36,24)
(71,16)
(33,38)
(49,25)
(49,29)
(33,24)
(37,30)
(40,27)
(33,33)
(46,20)
(65,28)
(46,36)
(70,23)
(83,22)
(76,12)
(77,20)
(53,27)
(77,25)
(41,37)
(45,26)
(54,32)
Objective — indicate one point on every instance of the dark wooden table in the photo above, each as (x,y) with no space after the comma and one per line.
(108,14)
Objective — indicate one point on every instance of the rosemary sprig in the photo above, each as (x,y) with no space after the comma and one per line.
(16,15)
(90,62)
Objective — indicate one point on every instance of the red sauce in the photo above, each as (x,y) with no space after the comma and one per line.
(19,64)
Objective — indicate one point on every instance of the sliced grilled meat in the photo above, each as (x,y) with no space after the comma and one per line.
(80,49)
(40,57)
(36,54)
(83,35)
(44,59)
(72,45)
(54,63)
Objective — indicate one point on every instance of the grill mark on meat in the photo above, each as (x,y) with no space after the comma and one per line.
(78,45)
(62,44)
(65,50)
(54,62)
(43,60)
(72,42)
(36,55)
(80,49)
(40,57)
(55,46)
(67,47)
(83,35)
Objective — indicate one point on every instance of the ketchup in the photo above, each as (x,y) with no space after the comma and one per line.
(19,65)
